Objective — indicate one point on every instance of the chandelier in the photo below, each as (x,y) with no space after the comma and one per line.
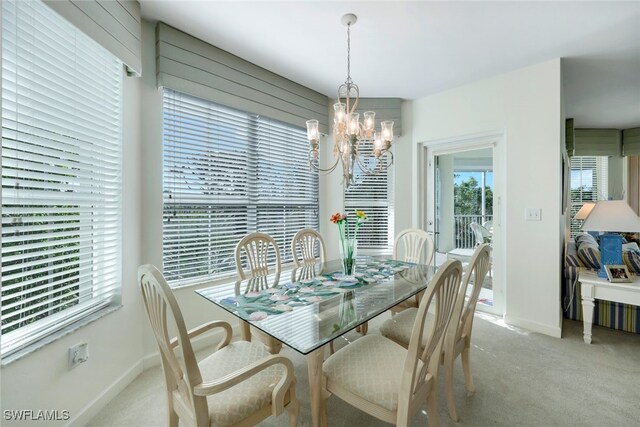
(358,146)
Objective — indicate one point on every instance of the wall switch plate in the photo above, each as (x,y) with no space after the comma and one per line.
(533,214)
(78,354)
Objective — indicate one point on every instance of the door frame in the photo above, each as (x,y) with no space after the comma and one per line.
(426,194)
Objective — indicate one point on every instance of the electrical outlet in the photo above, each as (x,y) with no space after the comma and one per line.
(533,214)
(78,354)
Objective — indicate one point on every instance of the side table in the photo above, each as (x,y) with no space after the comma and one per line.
(594,287)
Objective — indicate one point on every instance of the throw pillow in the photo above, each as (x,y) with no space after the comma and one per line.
(589,254)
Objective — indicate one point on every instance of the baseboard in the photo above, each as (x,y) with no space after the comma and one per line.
(552,331)
(96,405)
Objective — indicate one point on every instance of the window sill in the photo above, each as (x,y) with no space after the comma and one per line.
(54,336)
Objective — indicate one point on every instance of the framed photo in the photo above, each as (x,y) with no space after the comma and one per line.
(618,273)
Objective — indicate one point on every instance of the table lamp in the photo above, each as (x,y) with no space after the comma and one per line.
(584,212)
(611,216)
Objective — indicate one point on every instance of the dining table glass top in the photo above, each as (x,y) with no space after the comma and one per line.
(314,304)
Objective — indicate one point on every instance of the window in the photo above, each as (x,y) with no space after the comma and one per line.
(228,173)
(588,183)
(61,174)
(373,194)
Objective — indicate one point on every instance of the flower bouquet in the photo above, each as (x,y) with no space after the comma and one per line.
(348,241)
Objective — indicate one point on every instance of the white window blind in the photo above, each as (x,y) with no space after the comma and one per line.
(228,173)
(373,194)
(61,174)
(589,183)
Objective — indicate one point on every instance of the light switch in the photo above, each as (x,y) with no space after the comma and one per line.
(533,214)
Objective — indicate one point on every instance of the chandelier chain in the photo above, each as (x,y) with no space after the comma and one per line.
(349,53)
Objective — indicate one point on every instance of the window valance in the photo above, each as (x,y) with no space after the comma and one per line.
(190,65)
(385,108)
(115,25)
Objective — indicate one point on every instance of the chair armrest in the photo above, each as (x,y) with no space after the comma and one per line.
(278,393)
(199,330)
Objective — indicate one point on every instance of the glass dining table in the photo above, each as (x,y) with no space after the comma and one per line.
(309,307)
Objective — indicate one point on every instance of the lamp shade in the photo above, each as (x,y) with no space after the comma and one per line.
(612,215)
(584,211)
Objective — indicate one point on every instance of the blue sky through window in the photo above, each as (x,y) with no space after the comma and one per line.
(460,177)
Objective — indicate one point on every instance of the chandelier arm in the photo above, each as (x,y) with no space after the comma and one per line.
(318,168)
(363,167)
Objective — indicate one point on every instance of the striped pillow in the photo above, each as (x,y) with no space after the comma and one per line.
(573,261)
(585,238)
(632,261)
(589,254)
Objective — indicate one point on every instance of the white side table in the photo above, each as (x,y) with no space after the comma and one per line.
(594,287)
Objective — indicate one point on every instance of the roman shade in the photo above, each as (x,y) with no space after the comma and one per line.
(190,65)
(598,142)
(385,108)
(570,142)
(115,25)
(631,142)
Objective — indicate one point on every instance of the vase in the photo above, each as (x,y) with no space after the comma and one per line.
(347,309)
(348,249)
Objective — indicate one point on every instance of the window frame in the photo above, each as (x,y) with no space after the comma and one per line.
(96,245)
(600,167)
(367,204)
(261,133)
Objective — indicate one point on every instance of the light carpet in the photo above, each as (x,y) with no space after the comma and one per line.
(522,379)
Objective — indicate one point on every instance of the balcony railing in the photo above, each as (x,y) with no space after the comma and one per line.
(464,235)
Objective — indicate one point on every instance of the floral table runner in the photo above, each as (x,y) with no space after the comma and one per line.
(256,306)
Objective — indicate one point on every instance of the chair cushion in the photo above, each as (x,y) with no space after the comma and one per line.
(238,402)
(371,367)
(399,327)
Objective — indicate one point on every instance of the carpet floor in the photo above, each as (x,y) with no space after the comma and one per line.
(521,378)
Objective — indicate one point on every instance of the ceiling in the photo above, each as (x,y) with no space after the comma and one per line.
(414,49)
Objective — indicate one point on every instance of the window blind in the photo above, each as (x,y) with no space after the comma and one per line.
(115,25)
(228,173)
(589,183)
(373,194)
(61,174)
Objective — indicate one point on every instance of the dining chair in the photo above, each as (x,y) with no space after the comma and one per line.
(413,245)
(303,247)
(258,249)
(391,382)
(240,384)
(458,340)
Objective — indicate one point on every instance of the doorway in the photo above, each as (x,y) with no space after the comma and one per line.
(461,190)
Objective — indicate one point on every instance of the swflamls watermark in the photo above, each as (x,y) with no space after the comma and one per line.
(35,415)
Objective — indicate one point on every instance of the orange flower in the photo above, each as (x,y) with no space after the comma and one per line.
(336,217)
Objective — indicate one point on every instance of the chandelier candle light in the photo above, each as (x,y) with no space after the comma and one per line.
(349,133)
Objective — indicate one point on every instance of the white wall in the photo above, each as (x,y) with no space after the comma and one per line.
(42,380)
(526,106)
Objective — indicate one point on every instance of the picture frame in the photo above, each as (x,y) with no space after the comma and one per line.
(618,273)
